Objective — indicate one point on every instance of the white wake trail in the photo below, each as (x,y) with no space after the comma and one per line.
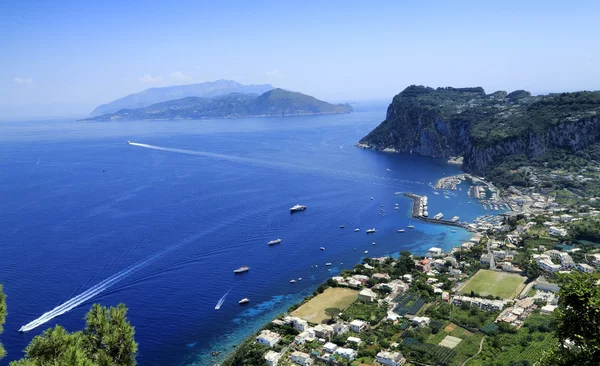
(221,301)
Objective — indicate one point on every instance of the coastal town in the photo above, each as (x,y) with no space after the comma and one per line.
(490,298)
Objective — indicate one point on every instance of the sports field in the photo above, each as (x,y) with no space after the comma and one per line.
(486,282)
(323,306)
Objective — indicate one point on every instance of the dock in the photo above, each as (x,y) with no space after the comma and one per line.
(416,213)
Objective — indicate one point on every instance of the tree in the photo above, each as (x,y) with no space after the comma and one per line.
(578,322)
(108,340)
(2,318)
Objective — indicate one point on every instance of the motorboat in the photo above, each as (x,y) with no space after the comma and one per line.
(244,301)
(371,231)
(273,242)
(241,269)
(297,208)
(401,230)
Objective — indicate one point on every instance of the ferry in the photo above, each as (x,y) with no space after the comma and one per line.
(241,269)
(273,242)
(371,231)
(244,301)
(438,216)
(297,208)
(401,230)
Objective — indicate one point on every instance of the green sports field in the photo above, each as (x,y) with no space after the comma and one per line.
(486,282)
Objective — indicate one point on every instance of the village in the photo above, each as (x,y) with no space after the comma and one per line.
(439,308)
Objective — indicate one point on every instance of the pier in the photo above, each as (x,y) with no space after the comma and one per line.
(416,213)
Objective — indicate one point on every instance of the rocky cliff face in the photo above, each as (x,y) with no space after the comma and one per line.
(484,128)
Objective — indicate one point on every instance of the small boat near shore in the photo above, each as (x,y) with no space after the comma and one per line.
(244,301)
(241,269)
(273,242)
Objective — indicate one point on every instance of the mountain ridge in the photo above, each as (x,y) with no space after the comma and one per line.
(152,96)
(275,102)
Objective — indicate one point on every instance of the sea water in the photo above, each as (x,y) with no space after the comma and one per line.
(167,225)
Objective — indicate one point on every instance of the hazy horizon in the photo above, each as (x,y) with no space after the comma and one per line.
(67,58)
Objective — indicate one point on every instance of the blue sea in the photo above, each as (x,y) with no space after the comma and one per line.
(162,227)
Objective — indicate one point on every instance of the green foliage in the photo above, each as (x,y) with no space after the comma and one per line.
(249,353)
(370,312)
(108,340)
(585,230)
(471,317)
(2,318)
(578,320)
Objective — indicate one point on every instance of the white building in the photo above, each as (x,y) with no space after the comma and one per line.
(367,295)
(323,331)
(340,328)
(301,358)
(358,326)
(346,353)
(390,358)
(547,265)
(421,321)
(272,358)
(330,347)
(268,338)
(557,231)
(585,268)
(548,309)
(354,340)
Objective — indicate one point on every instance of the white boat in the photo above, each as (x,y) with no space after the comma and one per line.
(438,216)
(401,230)
(455,219)
(366,251)
(453,231)
(373,243)
(371,198)
(322,248)
(411,226)
(356,230)
(395,208)
(292,281)
(328,264)
(436,193)
(241,269)
(297,208)
(244,301)
(299,278)
(341,226)
(371,230)
(273,242)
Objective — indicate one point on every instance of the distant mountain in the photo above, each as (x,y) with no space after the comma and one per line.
(152,96)
(276,102)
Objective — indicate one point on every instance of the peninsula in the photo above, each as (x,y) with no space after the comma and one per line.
(276,102)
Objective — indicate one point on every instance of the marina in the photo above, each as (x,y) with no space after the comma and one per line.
(417,213)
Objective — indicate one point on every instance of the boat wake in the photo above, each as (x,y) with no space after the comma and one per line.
(258,162)
(221,301)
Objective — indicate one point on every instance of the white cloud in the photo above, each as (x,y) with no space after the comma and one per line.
(149,79)
(21,81)
(274,74)
(178,75)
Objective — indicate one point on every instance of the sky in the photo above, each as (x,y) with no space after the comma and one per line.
(66,57)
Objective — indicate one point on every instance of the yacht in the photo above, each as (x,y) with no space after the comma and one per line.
(401,230)
(438,216)
(273,242)
(366,251)
(396,207)
(455,219)
(299,278)
(321,248)
(373,243)
(411,226)
(371,231)
(292,281)
(241,269)
(297,208)
(328,264)
(356,230)
(244,301)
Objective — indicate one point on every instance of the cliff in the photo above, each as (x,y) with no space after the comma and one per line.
(276,102)
(484,128)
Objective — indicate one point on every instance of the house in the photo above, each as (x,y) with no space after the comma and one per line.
(548,309)
(357,341)
(423,265)
(272,358)
(323,331)
(390,358)
(546,286)
(346,353)
(486,258)
(300,324)
(585,268)
(455,272)
(421,321)
(547,265)
(354,283)
(358,326)
(338,279)
(381,276)
(484,304)
(268,338)
(340,328)
(367,295)
(565,218)
(433,251)
(330,347)
(438,263)
(595,259)
(557,231)
(360,278)
(407,277)
(301,358)
(445,296)
(306,336)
